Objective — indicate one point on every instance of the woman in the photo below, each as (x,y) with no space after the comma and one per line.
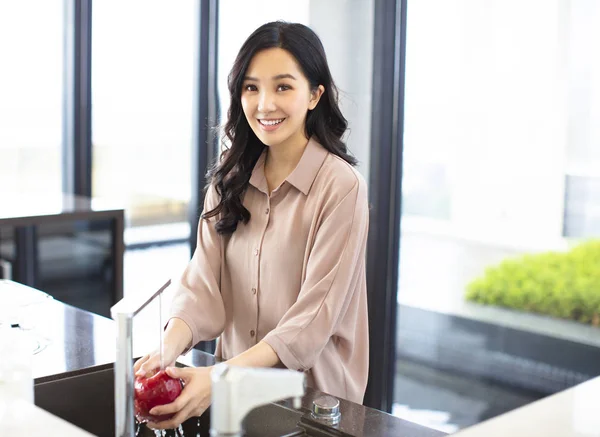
(279,270)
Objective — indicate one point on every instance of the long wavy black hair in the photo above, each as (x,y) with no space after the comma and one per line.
(231,173)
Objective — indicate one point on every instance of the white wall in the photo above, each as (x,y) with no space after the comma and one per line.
(346,29)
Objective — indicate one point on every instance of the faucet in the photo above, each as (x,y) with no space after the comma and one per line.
(123,313)
(237,390)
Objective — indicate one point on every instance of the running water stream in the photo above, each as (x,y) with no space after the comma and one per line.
(160,326)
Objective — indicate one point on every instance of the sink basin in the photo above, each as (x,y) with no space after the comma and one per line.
(87,401)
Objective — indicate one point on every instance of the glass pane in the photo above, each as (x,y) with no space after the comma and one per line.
(7,253)
(142,94)
(494,115)
(74,262)
(31,90)
(582,181)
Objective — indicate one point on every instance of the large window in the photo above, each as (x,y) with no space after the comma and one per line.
(501,160)
(31,53)
(582,181)
(142,95)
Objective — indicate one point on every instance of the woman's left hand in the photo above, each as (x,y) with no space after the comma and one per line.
(193,400)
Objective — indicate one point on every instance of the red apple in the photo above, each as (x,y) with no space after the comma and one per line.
(158,389)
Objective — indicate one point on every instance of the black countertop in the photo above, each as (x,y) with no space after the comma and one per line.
(68,340)
(356,420)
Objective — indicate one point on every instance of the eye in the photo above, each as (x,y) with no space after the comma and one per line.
(250,88)
(283,87)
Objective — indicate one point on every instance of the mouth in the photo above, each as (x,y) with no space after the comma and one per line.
(270,124)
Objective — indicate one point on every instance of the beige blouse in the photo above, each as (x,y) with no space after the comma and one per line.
(293,277)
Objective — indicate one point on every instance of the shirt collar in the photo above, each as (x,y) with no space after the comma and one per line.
(303,175)
(258,174)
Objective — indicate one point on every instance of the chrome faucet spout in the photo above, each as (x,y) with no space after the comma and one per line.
(237,390)
(123,313)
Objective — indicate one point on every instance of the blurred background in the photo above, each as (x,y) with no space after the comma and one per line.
(497,263)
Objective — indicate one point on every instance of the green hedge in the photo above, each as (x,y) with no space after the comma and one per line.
(559,284)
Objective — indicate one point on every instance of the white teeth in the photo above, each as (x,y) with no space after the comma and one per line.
(271,122)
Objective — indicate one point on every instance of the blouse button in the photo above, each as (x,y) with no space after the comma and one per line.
(255,252)
(254,291)
(252,333)
(267,211)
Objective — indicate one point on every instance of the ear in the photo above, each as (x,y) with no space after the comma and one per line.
(315,96)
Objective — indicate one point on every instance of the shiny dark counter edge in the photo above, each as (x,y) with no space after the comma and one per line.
(357,420)
(79,358)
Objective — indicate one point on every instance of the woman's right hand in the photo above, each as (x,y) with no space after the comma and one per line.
(177,338)
(148,364)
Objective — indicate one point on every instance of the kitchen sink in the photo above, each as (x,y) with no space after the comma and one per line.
(87,401)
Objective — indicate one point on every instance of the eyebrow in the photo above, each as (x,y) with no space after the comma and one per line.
(277,77)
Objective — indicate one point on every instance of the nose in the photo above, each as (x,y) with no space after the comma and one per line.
(266,102)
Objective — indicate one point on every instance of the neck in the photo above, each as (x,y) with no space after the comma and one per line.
(285,158)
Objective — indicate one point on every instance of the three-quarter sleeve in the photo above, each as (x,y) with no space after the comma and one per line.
(333,275)
(197,300)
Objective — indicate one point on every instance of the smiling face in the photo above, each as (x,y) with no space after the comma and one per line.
(276,97)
